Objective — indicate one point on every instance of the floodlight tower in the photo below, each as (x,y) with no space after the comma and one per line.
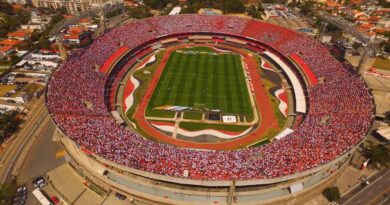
(369,47)
(322,31)
(102,18)
(62,48)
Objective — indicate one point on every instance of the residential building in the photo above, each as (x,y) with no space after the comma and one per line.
(37,18)
(22,2)
(5,50)
(39,27)
(22,35)
(384,23)
(10,42)
(73,6)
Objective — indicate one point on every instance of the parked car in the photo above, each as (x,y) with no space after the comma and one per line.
(120,196)
(54,199)
(18,203)
(39,182)
(21,191)
(20,196)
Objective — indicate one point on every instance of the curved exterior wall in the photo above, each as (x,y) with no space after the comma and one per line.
(151,187)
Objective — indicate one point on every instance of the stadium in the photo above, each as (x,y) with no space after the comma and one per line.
(208,109)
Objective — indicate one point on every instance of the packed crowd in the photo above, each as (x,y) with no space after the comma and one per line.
(339,115)
(198,23)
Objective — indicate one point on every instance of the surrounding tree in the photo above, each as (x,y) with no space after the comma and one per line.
(48,10)
(384,3)
(53,21)
(10,19)
(5,24)
(9,124)
(307,7)
(387,116)
(62,10)
(6,7)
(139,12)
(43,43)
(7,191)
(23,16)
(387,34)
(156,4)
(233,6)
(35,35)
(113,13)
(252,11)
(189,9)
(193,6)
(356,7)
(356,45)
(294,3)
(25,45)
(260,7)
(386,47)
(332,193)
(378,154)
(268,1)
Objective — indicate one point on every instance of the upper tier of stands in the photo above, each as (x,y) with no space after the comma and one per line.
(110,62)
(311,77)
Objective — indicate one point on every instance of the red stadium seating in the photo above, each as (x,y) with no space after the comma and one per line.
(75,99)
(308,72)
(110,62)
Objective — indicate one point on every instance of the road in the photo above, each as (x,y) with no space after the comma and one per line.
(43,156)
(377,192)
(37,117)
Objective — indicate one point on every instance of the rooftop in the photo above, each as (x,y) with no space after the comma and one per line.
(10,42)
(19,33)
(5,48)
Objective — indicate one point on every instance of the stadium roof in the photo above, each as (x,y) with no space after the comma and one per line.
(384,132)
(176,10)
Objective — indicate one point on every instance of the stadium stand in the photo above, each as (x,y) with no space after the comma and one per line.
(75,99)
(110,62)
(308,72)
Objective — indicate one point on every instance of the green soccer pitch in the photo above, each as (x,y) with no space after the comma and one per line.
(213,81)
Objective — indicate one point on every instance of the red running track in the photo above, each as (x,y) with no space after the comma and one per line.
(268,119)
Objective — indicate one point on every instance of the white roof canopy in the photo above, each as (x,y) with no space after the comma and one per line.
(300,100)
(384,132)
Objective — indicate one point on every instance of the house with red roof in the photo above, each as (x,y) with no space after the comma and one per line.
(10,42)
(76,35)
(22,35)
(5,50)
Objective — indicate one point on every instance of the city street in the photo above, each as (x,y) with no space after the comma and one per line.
(33,151)
(376,192)
(16,150)
(44,156)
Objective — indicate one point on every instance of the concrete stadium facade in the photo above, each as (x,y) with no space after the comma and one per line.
(157,189)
